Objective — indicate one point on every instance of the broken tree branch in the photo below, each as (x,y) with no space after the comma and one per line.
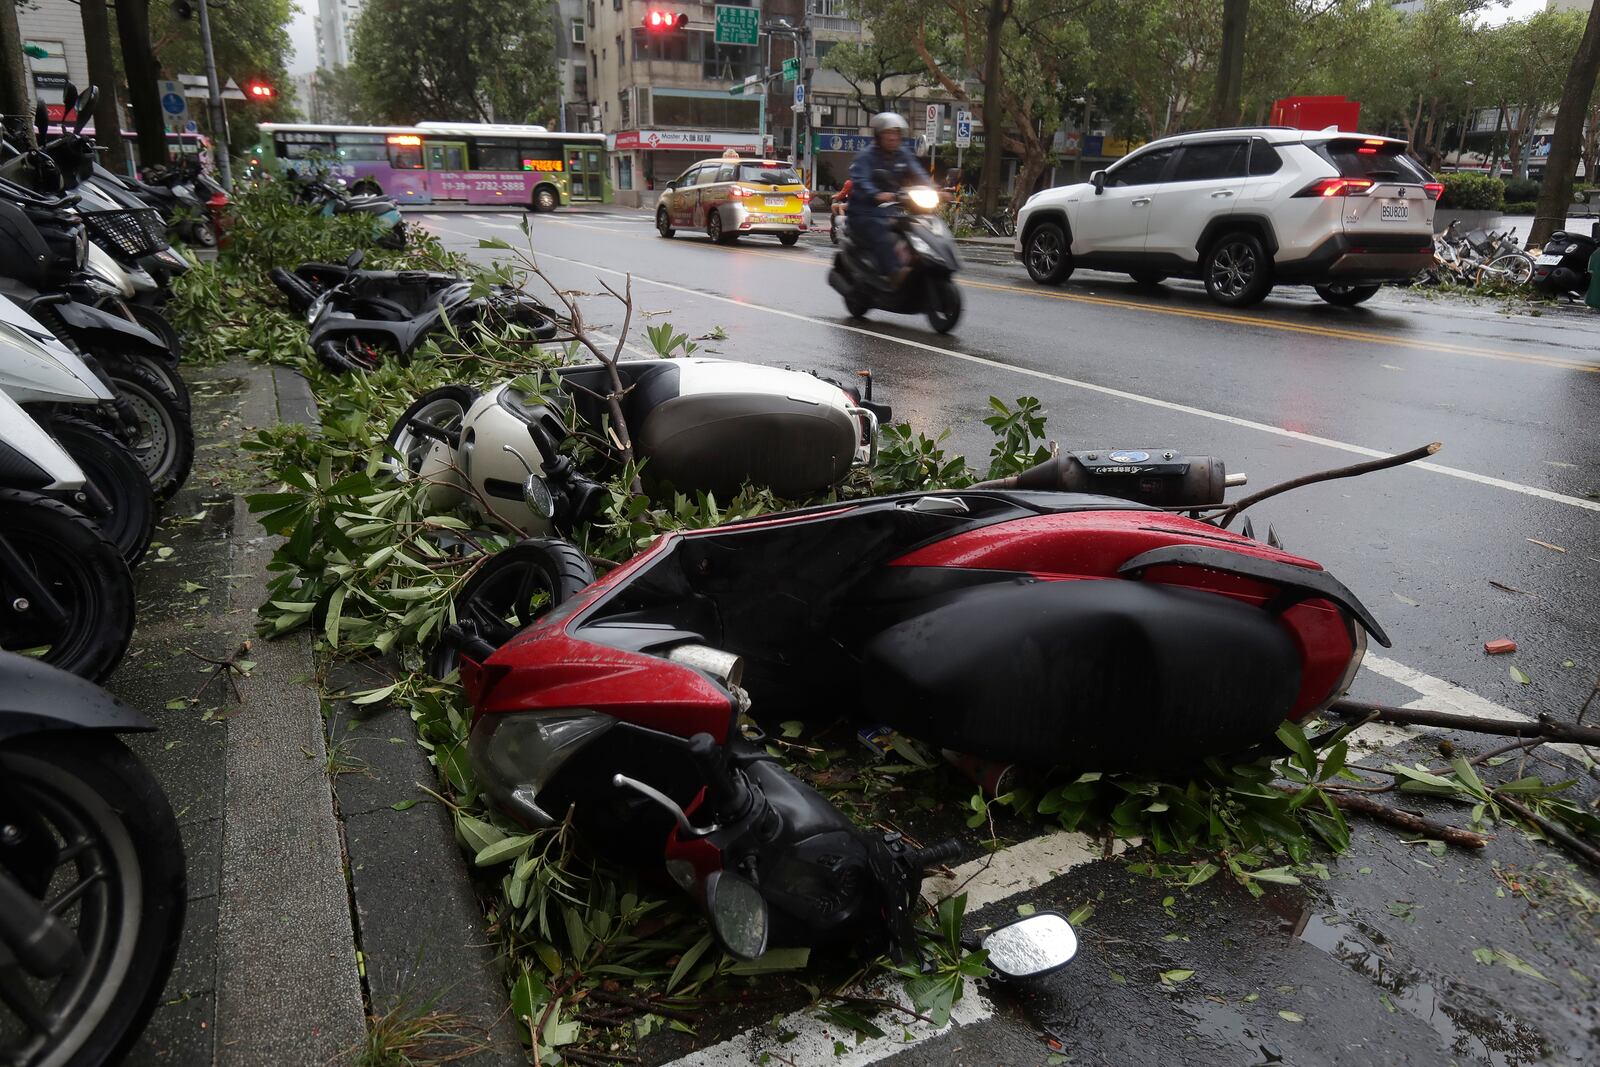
(1551,829)
(1233,510)
(1405,820)
(1543,727)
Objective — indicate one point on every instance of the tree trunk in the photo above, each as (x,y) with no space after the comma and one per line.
(1230,63)
(144,95)
(103,75)
(1556,191)
(993,110)
(14,72)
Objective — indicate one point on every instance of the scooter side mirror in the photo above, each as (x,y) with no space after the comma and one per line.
(85,108)
(739,915)
(1099,179)
(41,121)
(354,262)
(1594,230)
(1031,947)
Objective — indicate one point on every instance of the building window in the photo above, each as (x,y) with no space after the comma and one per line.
(616,5)
(591,14)
(622,105)
(577,31)
(622,53)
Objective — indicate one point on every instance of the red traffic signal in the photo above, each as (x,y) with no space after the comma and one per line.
(260,91)
(663,21)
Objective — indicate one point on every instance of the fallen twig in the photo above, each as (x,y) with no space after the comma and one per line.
(882,1002)
(653,1007)
(1406,820)
(1553,830)
(1233,510)
(1542,727)
(587,1055)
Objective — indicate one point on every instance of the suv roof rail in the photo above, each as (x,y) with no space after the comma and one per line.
(1228,129)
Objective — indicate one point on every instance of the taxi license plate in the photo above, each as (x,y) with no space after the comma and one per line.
(1547,261)
(1400,212)
(777,201)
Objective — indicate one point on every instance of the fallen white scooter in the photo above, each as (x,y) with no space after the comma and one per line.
(698,425)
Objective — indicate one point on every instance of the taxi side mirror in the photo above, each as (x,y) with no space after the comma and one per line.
(1099,179)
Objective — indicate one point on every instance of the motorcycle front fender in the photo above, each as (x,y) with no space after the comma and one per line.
(36,697)
(96,327)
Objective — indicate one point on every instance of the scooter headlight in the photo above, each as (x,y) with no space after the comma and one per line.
(516,754)
(925,198)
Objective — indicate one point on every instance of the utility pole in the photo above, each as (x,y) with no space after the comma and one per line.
(219,121)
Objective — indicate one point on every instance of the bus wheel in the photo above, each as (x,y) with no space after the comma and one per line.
(545,199)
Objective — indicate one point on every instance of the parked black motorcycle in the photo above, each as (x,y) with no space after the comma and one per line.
(329,197)
(1562,268)
(92,884)
(365,317)
(928,249)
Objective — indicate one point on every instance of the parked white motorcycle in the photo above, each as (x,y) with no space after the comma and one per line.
(55,385)
(697,424)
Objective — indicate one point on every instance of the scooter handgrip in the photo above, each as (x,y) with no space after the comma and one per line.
(933,856)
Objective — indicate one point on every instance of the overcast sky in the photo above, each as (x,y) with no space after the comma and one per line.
(305,41)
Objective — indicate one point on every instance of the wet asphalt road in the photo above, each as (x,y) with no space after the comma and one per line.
(1374,965)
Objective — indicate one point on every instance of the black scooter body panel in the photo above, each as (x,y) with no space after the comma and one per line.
(36,697)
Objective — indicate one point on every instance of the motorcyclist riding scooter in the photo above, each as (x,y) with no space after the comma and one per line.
(897,254)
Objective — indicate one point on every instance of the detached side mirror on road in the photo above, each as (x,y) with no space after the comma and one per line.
(1099,179)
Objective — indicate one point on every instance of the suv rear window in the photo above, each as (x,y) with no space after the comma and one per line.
(1355,158)
(763,174)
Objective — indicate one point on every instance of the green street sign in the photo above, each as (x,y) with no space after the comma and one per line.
(791,69)
(738,25)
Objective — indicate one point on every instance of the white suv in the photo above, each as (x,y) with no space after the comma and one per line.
(1243,209)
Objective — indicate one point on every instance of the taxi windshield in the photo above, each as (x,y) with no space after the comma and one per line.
(768,174)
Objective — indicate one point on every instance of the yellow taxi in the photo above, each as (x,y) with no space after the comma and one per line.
(730,196)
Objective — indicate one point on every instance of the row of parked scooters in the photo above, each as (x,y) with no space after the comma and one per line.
(95,434)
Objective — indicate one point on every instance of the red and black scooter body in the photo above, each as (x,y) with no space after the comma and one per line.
(1039,628)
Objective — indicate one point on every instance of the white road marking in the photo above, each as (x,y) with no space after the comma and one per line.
(1106,390)
(1018,868)
(813,1039)
(496,225)
(1440,695)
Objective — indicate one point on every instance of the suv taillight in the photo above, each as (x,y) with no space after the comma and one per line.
(1338,187)
(805,195)
(1433,189)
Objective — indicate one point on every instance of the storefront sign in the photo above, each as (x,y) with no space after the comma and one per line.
(840,142)
(689,140)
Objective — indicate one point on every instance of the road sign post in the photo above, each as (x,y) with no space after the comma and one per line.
(963,133)
(738,25)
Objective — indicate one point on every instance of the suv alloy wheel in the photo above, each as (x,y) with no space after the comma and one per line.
(1237,270)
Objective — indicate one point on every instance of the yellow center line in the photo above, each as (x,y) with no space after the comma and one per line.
(1331,332)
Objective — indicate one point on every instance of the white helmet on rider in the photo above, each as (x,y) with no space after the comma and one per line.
(884,121)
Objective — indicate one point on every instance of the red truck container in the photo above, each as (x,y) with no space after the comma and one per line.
(1317,113)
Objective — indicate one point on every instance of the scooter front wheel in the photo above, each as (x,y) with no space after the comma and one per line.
(512,589)
(443,408)
(944,304)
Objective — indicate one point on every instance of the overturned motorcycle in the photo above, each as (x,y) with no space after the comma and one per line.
(1000,621)
(359,318)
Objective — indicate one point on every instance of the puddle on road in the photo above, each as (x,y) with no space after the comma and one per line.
(1492,1036)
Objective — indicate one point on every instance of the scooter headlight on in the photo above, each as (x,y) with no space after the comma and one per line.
(518,753)
(926,199)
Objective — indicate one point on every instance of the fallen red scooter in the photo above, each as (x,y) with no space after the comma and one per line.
(1036,627)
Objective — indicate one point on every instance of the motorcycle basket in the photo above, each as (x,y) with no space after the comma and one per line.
(134,232)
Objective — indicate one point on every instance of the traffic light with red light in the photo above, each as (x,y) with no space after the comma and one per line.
(662,21)
(260,91)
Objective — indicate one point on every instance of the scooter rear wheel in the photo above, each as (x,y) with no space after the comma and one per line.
(119,498)
(67,555)
(512,589)
(165,446)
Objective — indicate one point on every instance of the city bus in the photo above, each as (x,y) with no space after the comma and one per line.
(480,163)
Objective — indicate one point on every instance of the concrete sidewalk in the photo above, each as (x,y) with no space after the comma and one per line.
(311,902)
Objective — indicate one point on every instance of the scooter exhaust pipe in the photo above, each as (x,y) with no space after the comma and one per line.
(1191,481)
(725,667)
